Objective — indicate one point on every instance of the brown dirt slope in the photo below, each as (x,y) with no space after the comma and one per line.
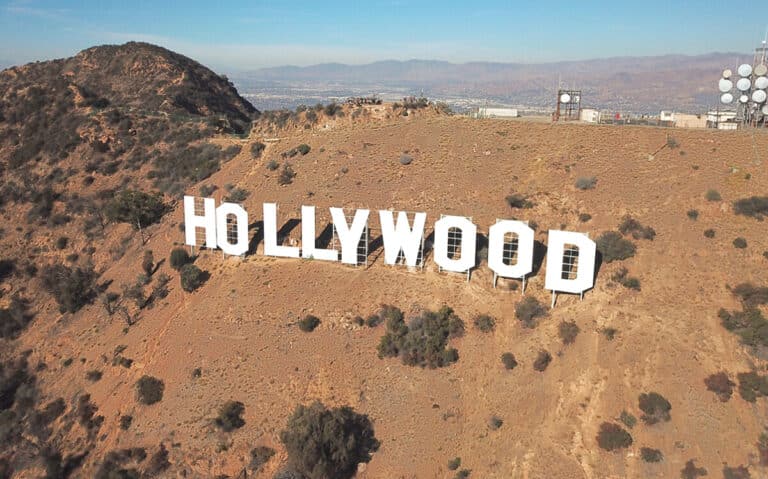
(239,328)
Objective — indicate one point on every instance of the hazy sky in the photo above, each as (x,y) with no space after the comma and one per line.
(245,35)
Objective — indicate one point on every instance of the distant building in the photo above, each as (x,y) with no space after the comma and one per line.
(667,116)
(497,112)
(685,120)
(589,115)
(723,120)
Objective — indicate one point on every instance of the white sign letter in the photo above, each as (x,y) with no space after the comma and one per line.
(207,221)
(349,236)
(308,246)
(467,246)
(241,227)
(561,261)
(271,248)
(401,237)
(496,246)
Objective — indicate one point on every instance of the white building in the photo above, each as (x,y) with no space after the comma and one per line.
(589,115)
(668,116)
(497,112)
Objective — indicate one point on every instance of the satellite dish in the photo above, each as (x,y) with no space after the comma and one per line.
(727,73)
(725,85)
(759,96)
(745,69)
(765,110)
(743,98)
(744,84)
(565,98)
(761,83)
(726,99)
(761,69)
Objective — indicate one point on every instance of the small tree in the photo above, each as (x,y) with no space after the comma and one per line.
(179,258)
(148,263)
(322,443)
(612,437)
(655,406)
(651,455)
(614,247)
(568,330)
(542,361)
(230,416)
(529,310)
(136,208)
(485,323)
(191,277)
(308,323)
(149,390)
(72,288)
(740,243)
(720,384)
(508,360)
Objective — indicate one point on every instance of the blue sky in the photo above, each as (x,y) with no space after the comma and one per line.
(244,35)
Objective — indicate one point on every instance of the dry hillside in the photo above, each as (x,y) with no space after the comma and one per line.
(237,336)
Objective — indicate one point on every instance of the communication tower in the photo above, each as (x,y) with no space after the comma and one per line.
(568,105)
(747,88)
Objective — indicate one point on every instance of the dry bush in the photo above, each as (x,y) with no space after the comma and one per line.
(568,330)
(655,408)
(720,384)
(323,443)
(424,340)
(753,207)
(631,226)
(230,416)
(542,361)
(612,437)
(149,390)
(614,247)
(529,310)
(586,182)
(308,323)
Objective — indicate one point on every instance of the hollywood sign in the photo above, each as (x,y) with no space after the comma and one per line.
(570,255)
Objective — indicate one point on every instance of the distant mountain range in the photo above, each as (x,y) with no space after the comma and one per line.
(640,84)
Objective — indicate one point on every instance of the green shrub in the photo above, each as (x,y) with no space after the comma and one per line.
(303,149)
(613,247)
(148,263)
(655,408)
(230,416)
(257,148)
(752,386)
(586,182)
(272,165)
(612,437)
(179,258)
(739,472)
(236,195)
(518,201)
(753,207)
(713,195)
(191,277)
(651,455)
(584,217)
(207,190)
(509,361)
(72,288)
(568,330)
(454,463)
(720,384)
(62,242)
(308,323)
(125,422)
(690,471)
(693,214)
(286,175)
(423,341)
(710,233)
(406,159)
(462,474)
(542,361)
(149,390)
(621,277)
(322,443)
(14,318)
(631,226)
(628,419)
(529,310)
(136,208)
(495,422)
(485,323)
(259,456)
(740,243)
